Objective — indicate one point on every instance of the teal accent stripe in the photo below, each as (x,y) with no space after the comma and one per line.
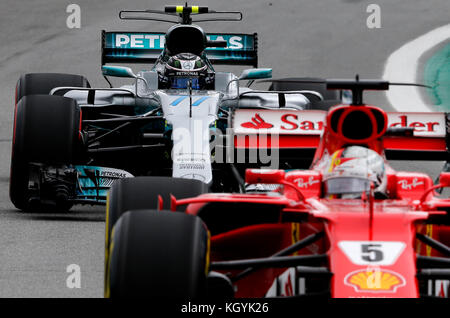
(437,75)
(178,100)
(199,101)
(195,103)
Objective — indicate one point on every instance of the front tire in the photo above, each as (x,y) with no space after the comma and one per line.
(157,254)
(142,193)
(45,127)
(46,130)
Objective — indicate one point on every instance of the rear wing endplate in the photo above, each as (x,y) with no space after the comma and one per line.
(145,47)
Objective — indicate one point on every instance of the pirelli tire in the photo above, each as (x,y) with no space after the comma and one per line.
(143,192)
(41,117)
(46,131)
(157,254)
(330,97)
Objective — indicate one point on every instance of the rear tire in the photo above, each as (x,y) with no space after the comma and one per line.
(142,193)
(157,254)
(43,83)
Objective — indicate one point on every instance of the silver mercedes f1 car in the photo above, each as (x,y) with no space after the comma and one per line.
(72,141)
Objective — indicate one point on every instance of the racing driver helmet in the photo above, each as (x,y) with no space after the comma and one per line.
(184,67)
(350,172)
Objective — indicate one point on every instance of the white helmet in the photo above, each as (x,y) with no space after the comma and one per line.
(351,170)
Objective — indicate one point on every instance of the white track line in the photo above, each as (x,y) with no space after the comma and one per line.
(403,66)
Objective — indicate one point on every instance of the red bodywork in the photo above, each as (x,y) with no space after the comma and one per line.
(356,231)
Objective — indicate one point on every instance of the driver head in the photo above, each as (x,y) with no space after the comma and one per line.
(351,171)
(184,68)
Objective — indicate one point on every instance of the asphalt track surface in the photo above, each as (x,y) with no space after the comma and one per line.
(297,38)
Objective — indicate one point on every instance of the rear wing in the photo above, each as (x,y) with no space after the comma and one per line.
(302,129)
(145,47)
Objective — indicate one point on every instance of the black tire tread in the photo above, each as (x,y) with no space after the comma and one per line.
(157,254)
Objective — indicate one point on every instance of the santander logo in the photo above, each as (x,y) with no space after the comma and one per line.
(418,125)
(312,122)
(289,122)
(257,123)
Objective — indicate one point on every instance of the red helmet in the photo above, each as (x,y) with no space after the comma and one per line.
(350,171)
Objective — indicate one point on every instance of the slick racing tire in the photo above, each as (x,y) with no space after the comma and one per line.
(39,84)
(46,129)
(330,97)
(157,254)
(142,193)
(43,83)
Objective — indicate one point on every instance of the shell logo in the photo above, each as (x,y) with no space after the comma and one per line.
(374,280)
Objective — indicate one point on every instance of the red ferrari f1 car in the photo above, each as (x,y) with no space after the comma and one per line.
(350,226)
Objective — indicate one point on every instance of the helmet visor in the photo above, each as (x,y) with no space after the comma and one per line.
(346,185)
(177,82)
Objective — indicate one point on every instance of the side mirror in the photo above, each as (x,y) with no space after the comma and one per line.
(118,71)
(444,182)
(444,179)
(264,176)
(256,73)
